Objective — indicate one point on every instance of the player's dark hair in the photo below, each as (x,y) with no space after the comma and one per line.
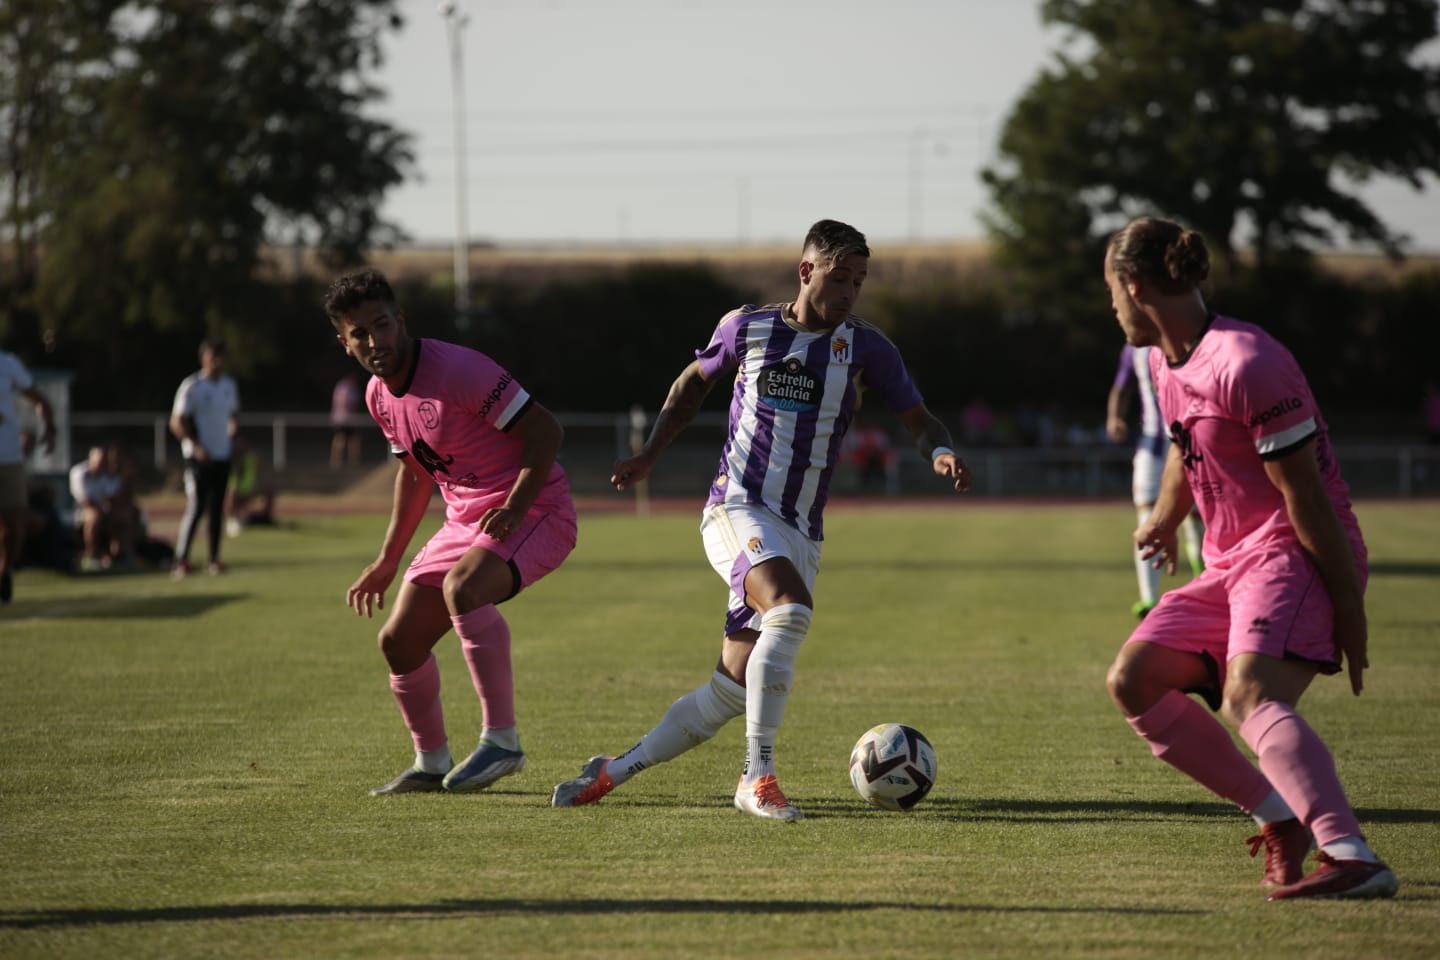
(1160,253)
(353,289)
(212,345)
(832,240)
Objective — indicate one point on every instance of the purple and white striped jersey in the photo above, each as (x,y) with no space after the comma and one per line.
(1134,371)
(795,394)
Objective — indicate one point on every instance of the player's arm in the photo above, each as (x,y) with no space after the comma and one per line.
(413,488)
(540,435)
(1156,536)
(687,394)
(1297,476)
(1117,428)
(933,439)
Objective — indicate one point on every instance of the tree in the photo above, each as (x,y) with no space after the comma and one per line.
(180,140)
(1231,115)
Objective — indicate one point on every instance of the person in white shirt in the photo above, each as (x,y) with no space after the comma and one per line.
(103,511)
(15,380)
(203,418)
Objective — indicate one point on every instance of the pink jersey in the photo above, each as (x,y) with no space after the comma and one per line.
(452,417)
(1238,400)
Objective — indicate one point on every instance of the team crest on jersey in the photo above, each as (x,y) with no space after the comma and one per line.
(383,408)
(429,414)
(840,350)
(787,385)
(755,545)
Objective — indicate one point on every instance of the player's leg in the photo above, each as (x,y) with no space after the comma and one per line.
(780,593)
(13,502)
(690,721)
(698,715)
(485,575)
(1147,575)
(1147,467)
(407,640)
(217,478)
(1149,682)
(188,520)
(1282,636)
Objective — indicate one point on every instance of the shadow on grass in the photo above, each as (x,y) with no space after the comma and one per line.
(1000,810)
(462,909)
(1022,811)
(118,606)
(1408,569)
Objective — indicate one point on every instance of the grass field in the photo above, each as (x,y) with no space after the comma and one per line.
(184,766)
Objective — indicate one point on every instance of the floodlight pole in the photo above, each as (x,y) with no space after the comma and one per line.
(455,22)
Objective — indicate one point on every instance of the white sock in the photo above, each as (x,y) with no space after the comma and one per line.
(690,721)
(1272,809)
(434,761)
(1352,847)
(768,678)
(1146,575)
(507,737)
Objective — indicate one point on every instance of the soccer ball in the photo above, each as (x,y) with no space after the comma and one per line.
(892,766)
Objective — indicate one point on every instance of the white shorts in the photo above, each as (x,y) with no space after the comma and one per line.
(740,536)
(1148,466)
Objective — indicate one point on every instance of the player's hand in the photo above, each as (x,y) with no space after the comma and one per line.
(368,592)
(200,454)
(629,472)
(499,522)
(949,465)
(1352,639)
(1159,547)
(1116,429)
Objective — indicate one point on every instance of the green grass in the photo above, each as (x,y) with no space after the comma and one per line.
(184,766)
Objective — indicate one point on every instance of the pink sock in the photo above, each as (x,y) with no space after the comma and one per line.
(485,640)
(1186,736)
(1296,760)
(418,694)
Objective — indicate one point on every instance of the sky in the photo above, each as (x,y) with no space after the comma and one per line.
(742,122)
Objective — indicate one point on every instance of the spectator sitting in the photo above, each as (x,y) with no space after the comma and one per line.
(250,503)
(104,511)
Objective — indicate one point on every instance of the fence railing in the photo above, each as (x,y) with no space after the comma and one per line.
(297,441)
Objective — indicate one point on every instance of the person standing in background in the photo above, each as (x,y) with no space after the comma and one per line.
(15,380)
(347,410)
(203,420)
(1132,378)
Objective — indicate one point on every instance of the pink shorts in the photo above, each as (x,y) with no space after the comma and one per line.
(1269,601)
(541,544)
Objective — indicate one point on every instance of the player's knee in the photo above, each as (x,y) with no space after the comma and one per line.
(395,651)
(1125,684)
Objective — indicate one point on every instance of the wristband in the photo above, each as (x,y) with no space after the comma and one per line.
(939,451)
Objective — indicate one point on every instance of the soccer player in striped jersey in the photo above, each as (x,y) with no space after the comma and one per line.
(1282,598)
(1132,379)
(457,420)
(798,371)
